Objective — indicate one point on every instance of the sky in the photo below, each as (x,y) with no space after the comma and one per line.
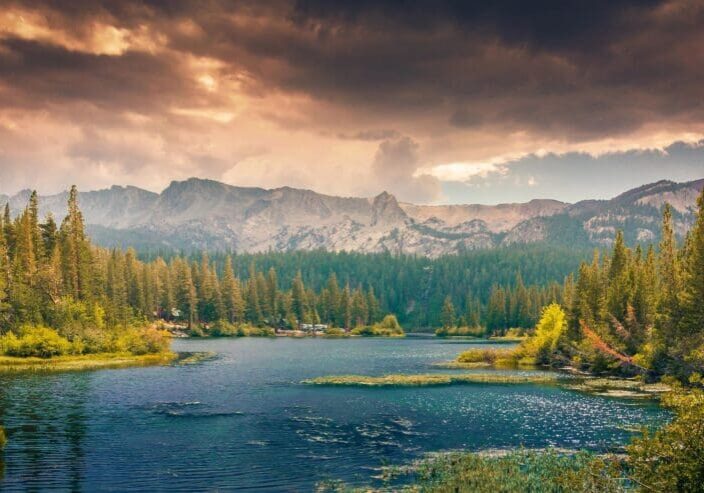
(442,101)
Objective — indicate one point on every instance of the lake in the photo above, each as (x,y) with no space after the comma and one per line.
(244,422)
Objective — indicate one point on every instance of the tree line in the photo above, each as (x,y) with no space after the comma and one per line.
(52,274)
(639,310)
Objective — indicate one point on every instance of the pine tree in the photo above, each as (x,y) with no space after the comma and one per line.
(447,316)
(670,280)
(299,305)
(691,325)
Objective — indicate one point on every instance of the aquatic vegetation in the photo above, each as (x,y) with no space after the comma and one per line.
(82,362)
(195,358)
(513,472)
(430,379)
(489,357)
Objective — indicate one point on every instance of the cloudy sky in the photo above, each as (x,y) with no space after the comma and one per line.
(436,101)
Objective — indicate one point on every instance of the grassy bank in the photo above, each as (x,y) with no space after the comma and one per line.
(429,379)
(83,362)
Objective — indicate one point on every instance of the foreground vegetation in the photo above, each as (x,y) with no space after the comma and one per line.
(430,379)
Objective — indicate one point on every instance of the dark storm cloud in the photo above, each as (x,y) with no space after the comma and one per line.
(40,75)
(565,68)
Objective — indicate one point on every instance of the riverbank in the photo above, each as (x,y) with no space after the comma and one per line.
(9,364)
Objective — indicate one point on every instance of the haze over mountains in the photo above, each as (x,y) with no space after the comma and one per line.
(203,214)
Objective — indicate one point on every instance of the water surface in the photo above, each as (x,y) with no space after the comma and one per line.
(244,422)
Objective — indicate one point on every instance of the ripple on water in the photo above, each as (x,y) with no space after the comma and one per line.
(242,422)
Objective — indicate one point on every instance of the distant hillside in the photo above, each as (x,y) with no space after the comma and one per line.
(203,214)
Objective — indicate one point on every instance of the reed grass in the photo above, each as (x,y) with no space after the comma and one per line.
(429,379)
(10,364)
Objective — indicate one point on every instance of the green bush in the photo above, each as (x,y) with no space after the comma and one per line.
(3,438)
(388,327)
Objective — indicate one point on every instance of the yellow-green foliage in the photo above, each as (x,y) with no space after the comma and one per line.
(672,458)
(388,327)
(223,328)
(486,355)
(144,341)
(82,362)
(3,438)
(38,341)
(43,342)
(461,331)
(429,379)
(335,332)
(548,332)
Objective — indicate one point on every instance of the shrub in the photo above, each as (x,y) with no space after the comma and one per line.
(37,341)
(142,341)
(3,438)
(334,331)
(672,458)
(388,327)
(461,331)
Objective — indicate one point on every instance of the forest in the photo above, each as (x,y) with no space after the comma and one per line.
(52,275)
(633,311)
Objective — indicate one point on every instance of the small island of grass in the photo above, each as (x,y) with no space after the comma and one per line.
(430,379)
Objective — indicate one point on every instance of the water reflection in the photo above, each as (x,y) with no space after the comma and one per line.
(44,417)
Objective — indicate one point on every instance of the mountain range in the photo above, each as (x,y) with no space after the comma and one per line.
(198,214)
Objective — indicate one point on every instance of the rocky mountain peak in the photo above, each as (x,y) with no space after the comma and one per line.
(385,209)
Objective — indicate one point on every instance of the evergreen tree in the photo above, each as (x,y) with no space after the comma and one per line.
(447,317)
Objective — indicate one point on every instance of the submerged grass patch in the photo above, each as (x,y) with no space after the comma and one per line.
(513,472)
(429,379)
(619,387)
(195,358)
(83,362)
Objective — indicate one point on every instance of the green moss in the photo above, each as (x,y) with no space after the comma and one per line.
(429,379)
(83,362)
